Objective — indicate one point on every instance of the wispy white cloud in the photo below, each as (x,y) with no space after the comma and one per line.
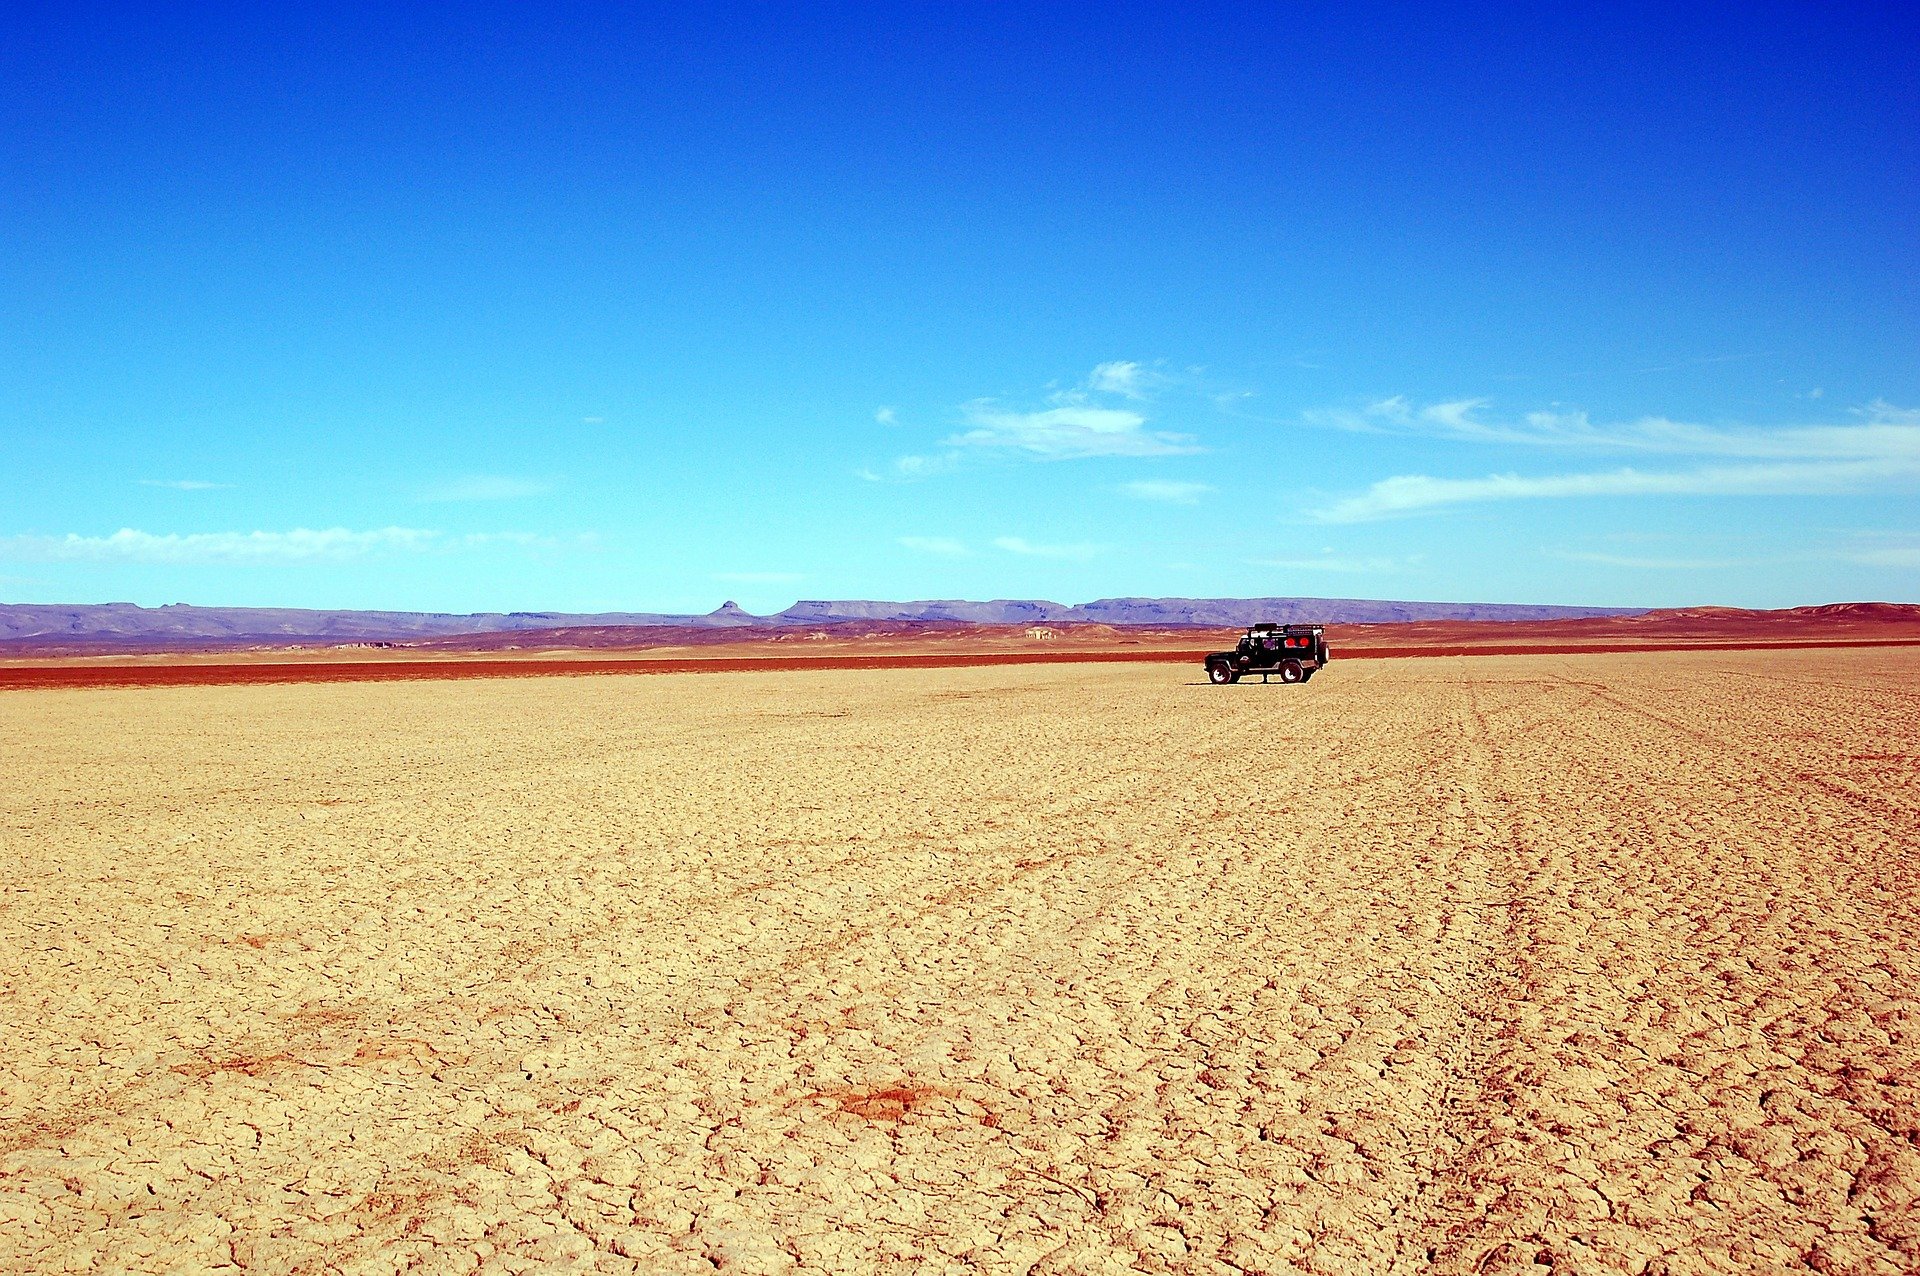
(1081,421)
(1123,377)
(1066,433)
(1117,378)
(1418,493)
(1880,452)
(1857,548)
(593,420)
(1904,556)
(1882,549)
(1019,545)
(185,485)
(1879,430)
(1167,491)
(301,544)
(942,546)
(485,487)
(759,578)
(1884,413)
(907,469)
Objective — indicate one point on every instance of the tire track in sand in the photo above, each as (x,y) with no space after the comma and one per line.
(1659,1101)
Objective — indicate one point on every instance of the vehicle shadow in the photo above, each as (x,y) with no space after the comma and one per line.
(1244,682)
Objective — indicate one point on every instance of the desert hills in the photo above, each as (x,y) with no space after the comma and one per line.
(179,625)
(121,656)
(35,631)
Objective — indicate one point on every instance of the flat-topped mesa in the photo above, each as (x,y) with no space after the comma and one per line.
(999,611)
(1206,612)
(124,626)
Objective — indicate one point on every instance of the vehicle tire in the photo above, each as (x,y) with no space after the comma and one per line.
(1290,671)
(1219,673)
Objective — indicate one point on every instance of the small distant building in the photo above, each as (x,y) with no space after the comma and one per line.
(1040,633)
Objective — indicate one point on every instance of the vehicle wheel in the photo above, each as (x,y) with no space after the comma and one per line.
(1290,671)
(1219,673)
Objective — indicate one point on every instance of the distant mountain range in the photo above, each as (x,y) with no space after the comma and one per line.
(126,625)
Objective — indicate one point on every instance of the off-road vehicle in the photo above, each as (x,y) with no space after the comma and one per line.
(1291,653)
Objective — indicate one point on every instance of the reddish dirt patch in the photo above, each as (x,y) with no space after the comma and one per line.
(884,1103)
(251,1065)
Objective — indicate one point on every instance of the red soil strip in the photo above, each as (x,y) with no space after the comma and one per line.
(199,675)
(48,677)
(887,1103)
(1615,648)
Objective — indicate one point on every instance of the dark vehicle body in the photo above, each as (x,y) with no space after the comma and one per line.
(1291,653)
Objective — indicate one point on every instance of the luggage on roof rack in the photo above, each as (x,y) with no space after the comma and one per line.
(1292,653)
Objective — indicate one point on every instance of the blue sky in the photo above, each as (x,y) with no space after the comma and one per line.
(582,308)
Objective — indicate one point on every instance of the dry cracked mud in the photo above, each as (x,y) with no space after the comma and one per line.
(1585,963)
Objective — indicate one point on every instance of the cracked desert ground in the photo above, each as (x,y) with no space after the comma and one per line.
(1585,963)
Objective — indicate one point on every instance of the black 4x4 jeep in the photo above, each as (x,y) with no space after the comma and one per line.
(1291,653)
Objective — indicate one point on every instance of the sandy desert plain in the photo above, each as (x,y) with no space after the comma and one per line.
(1577,962)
